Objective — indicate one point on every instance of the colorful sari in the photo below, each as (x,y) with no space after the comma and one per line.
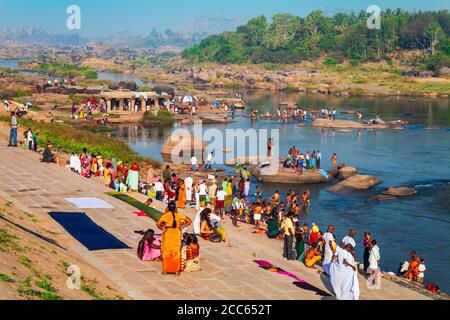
(133,177)
(181,203)
(171,242)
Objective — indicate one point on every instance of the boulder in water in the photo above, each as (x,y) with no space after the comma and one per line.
(382,197)
(347,172)
(183,146)
(400,192)
(358,182)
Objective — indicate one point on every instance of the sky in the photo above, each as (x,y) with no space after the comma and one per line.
(105,17)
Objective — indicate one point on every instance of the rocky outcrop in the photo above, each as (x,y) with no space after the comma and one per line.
(400,192)
(179,147)
(128,85)
(358,182)
(347,172)
(288,176)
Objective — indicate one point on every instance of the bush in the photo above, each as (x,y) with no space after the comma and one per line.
(163,118)
(69,139)
(329,62)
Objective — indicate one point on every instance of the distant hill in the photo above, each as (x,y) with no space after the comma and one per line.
(287,38)
(39,36)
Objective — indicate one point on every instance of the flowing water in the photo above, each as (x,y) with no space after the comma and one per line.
(413,157)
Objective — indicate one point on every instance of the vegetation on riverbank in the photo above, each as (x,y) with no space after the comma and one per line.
(69,139)
(163,119)
(66,70)
(291,39)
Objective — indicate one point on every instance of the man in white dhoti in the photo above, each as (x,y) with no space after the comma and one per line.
(344,275)
(330,249)
(374,281)
(188,183)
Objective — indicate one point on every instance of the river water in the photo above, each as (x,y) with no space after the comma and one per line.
(413,157)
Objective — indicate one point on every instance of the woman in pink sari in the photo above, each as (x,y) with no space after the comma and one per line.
(149,248)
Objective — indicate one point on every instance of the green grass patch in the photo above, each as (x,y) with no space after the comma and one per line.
(67,70)
(25,261)
(69,139)
(7,241)
(152,213)
(91,291)
(5,278)
(49,292)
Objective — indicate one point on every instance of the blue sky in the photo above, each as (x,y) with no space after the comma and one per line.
(104,17)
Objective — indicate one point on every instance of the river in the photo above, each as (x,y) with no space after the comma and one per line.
(414,157)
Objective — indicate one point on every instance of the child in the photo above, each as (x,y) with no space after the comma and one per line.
(192,254)
(257,214)
(422,270)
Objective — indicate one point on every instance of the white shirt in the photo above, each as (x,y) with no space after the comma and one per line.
(194,161)
(349,240)
(30,136)
(328,252)
(189,182)
(422,270)
(202,190)
(374,257)
(159,186)
(209,159)
(221,195)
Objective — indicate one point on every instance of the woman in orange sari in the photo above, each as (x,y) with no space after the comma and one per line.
(172,224)
(181,203)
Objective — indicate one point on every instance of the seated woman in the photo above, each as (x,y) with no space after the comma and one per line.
(211,232)
(313,255)
(192,254)
(149,248)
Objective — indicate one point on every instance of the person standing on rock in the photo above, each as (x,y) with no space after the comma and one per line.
(318,158)
(334,161)
(13,131)
(209,161)
(367,246)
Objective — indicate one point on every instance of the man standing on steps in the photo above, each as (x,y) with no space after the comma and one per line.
(287,227)
(13,131)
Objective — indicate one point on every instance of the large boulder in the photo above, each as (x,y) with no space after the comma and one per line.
(400,192)
(128,85)
(182,147)
(347,172)
(358,182)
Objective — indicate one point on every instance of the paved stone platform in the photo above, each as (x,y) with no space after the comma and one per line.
(227,273)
